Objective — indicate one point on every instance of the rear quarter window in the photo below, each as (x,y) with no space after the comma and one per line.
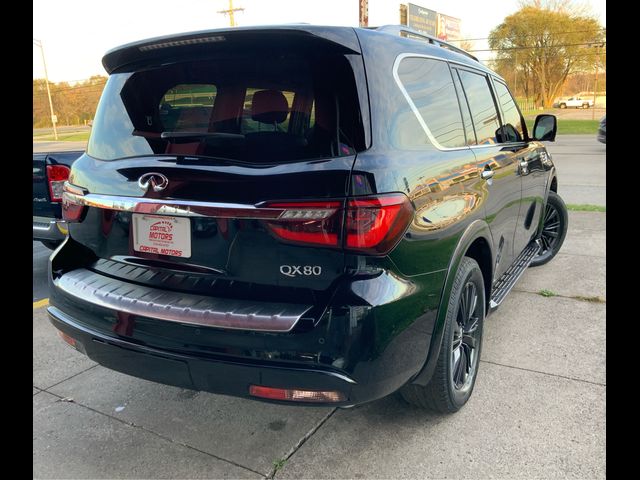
(429,85)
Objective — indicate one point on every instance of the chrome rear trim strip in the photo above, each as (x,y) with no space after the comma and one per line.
(186,208)
(177,307)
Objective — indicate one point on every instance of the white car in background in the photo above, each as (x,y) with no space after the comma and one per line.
(576,102)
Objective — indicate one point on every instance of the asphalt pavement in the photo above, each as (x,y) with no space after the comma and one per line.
(581,163)
(55,146)
(538,409)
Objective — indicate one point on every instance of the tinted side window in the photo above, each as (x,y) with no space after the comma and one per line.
(512,121)
(429,84)
(483,108)
(464,107)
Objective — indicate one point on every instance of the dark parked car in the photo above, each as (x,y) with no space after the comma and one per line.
(602,130)
(50,171)
(301,214)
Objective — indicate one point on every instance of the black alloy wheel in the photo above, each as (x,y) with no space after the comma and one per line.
(554,229)
(464,351)
(458,360)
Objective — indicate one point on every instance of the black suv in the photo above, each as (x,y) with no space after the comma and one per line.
(301,214)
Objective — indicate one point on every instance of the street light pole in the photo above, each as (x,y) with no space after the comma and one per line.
(38,43)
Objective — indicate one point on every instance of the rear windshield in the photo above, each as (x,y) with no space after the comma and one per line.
(255,109)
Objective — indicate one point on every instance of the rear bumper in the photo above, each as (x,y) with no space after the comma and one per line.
(371,338)
(45,228)
(195,372)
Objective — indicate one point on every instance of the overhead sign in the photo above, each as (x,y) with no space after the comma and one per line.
(422,19)
(448,28)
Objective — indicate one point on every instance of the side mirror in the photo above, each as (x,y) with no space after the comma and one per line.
(545,128)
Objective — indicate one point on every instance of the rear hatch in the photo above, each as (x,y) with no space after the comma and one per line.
(219,163)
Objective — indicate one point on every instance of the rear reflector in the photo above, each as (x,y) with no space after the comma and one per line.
(295,395)
(57,175)
(70,340)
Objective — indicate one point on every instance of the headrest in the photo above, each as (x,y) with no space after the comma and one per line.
(269,106)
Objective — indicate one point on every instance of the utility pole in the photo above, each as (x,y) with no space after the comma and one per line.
(515,82)
(595,87)
(363,13)
(38,43)
(230,12)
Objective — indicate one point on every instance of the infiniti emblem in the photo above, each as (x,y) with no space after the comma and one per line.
(157,180)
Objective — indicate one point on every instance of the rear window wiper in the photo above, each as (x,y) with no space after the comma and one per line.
(191,159)
(185,134)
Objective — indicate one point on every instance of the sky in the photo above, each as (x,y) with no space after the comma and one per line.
(77,33)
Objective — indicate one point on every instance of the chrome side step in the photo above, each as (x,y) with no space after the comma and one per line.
(170,306)
(509,278)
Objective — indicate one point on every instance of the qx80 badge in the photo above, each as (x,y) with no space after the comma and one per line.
(297,270)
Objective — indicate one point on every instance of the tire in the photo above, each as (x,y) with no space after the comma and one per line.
(585,105)
(452,384)
(554,229)
(563,105)
(50,244)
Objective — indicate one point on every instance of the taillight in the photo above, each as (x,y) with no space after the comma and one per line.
(313,223)
(374,224)
(57,175)
(72,206)
(371,225)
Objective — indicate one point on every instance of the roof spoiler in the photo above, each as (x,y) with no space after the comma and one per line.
(342,39)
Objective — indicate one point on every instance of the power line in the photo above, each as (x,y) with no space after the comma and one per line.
(532,34)
(81,87)
(538,47)
(491,59)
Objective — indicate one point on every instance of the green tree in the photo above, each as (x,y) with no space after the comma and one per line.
(542,44)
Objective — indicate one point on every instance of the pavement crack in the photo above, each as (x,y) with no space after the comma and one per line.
(581,298)
(159,435)
(301,442)
(68,378)
(545,373)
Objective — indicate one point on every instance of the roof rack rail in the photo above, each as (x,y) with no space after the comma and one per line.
(404,31)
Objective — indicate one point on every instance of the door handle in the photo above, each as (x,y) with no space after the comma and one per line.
(524,167)
(487,174)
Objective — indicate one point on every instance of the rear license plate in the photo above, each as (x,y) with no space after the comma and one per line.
(162,235)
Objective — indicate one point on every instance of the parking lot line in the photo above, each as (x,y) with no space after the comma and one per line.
(41,303)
